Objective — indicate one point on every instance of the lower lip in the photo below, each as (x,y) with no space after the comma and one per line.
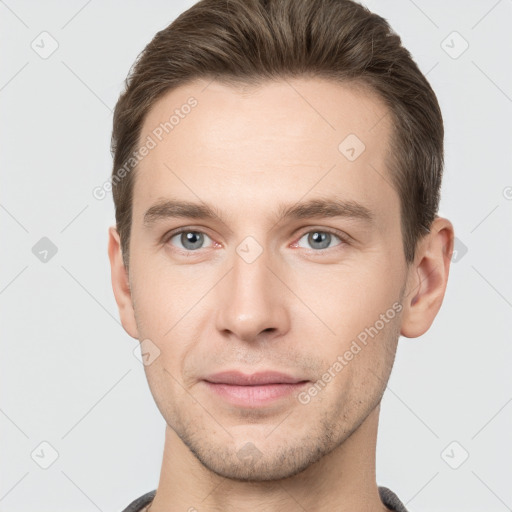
(254,396)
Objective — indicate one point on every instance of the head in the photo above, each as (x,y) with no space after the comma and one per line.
(300,149)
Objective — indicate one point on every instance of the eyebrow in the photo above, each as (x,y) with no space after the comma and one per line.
(170,208)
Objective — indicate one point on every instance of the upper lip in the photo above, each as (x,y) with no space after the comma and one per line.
(237,378)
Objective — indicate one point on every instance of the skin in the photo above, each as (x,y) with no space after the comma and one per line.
(295,309)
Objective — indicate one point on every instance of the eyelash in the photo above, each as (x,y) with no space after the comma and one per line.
(344,239)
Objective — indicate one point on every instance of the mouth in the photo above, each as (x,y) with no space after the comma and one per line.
(255,390)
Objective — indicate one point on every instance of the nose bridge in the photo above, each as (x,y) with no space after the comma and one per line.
(250,300)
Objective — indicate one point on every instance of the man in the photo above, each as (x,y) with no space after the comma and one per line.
(277,167)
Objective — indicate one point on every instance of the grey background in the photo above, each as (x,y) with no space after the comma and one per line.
(69,376)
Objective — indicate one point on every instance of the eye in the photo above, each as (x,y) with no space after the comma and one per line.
(320,239)
(190,240)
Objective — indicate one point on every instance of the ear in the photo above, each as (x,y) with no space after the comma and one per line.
(121,284)
(427,279)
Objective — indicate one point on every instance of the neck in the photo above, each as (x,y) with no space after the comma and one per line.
(342,481)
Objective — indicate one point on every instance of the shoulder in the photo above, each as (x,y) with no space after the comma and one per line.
(391,500)
(141,503)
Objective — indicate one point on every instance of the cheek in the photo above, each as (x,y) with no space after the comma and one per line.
(351,297)
(152,310)
(163,296)
(362,311)
(168,312)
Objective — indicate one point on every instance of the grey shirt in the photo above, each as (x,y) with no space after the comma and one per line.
(387,496)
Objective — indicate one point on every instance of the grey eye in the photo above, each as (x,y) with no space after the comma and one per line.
(190,240)
(319,239)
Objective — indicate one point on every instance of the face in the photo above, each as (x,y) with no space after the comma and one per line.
(299,268)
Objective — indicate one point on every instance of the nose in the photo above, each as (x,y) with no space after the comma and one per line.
(251,301)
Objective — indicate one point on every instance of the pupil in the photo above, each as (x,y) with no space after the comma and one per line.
(320,237)
(191,240)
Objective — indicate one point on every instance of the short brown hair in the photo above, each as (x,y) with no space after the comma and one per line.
(250,41)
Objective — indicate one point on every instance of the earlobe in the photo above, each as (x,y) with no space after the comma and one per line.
(427,279)
(121,284)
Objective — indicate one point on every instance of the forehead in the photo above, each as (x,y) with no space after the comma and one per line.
(219,143)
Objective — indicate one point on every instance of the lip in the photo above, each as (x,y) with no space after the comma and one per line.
(255,390)
(237,378)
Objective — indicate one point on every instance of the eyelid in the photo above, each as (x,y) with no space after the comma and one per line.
(344,237)
(186,229)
